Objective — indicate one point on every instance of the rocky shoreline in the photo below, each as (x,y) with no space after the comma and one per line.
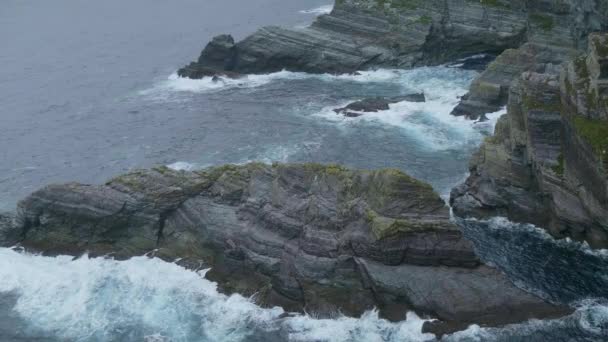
(325,239)
(368,34)
(317,238)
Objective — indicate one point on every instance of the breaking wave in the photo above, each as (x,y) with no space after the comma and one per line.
(428,122)
(97,299)
(325,9)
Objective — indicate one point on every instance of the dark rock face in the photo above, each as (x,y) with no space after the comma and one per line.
(7,231)
(376,104)
(546,163)
(320,238)
(218,58)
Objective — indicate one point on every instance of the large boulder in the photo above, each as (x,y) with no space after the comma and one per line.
(320,238)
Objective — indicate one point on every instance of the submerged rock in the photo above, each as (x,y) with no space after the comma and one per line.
(547,161)
(376,104)
(320,238)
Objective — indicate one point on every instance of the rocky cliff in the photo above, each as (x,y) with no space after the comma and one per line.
(548,161)
(363,34)
(556,31)
(324,239)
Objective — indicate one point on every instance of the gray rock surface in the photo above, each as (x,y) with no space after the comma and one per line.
(324,239)
(376,104)
(547,162)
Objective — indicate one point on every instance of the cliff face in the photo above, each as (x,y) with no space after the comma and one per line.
(321,238)
(555,32)
(548,161)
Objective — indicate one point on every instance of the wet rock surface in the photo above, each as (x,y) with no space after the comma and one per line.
(320,238)
(376,104)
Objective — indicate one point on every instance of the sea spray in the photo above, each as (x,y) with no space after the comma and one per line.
(89,299)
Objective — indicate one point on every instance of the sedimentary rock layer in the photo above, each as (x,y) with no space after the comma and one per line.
(324,239)
(547,162)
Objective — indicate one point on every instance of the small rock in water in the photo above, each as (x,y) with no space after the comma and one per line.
(376,104)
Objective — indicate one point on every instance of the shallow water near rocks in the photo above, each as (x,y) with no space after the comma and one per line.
(98,100)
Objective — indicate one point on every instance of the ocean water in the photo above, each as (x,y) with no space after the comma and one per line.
(90,91)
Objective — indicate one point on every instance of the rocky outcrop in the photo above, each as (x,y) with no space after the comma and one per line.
(324,239)
(547,162)
(376,104)
(556,31)
(363,34)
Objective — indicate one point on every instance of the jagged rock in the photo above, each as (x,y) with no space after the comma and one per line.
(376,104)
(547,162)
(218,58)
(489,92)
(324,239)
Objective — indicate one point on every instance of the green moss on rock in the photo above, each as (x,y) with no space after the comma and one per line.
(559,168)
(383,227)
(595,132)
(543,21)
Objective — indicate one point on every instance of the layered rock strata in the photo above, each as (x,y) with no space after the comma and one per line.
(324,239)
(364,34)
(548,161)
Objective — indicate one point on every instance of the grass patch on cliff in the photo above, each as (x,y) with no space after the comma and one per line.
(543,21)
(601,46)
(534,103)
(595,132)
(559,168)
(494,3)
(384,227)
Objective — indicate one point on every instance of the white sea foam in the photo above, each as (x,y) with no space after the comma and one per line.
(588,323)
(174,83)
(427,75)
(183,166)
(100,299)
(504,223)
(428,121)
(325,9)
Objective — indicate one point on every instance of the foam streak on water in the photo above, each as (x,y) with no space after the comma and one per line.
(325,9)
(95,299)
